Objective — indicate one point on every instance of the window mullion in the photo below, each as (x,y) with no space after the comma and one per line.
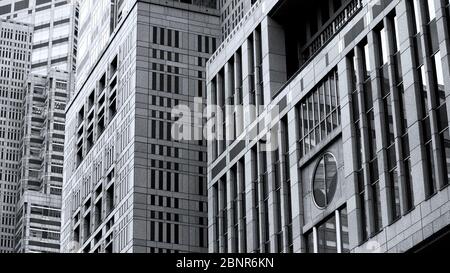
(338,232)
(316,240)
(325,181)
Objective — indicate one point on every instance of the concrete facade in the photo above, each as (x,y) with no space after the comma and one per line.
(231,13)
(129,186)
(53,63)
(41,166)
(15,53)
(362,158)
(55,32)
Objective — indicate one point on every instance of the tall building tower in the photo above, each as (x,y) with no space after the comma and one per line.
(55,32)
(41,167)
(129,185)
(15,55)
(337,136)
(53,62)
(231,13)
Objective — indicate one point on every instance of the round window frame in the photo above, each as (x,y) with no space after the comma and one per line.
(322,157)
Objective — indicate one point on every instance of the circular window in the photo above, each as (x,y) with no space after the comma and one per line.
(325,181)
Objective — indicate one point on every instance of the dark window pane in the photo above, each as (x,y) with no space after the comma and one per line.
(344,231)
(326,236)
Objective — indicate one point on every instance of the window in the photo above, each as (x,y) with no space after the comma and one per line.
(325,181)
(319,114)
(330,236)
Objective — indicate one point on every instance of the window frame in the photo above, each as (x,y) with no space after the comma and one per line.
(328,201)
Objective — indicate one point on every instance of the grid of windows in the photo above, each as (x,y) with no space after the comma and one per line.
(430,76)
(397,151)
(319,114)
(15,51)
(108,120)
(393,117)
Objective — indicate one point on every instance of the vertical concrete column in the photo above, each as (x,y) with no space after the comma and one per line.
(250,200)
(222,206)
(261,169)
(283,206)
(274,69)
(229,94)
(380,127)
(397,121)
(238,93)
(241,209)
(271,180)
(212,140)
(220,113)
(345,71)
(413,91)
(433,100)
(296,186)
(365,134)
(231,188)
(248,82)
(257,70)
(212,224)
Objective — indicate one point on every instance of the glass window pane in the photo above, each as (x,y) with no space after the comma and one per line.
(310,242)
(368,95)
(327,237)
(325,181)
(322,101)
(316,108)
(330,176)
(395,194)
(344,231)
(319,185)
(311,113)
(333,93)
(327,98)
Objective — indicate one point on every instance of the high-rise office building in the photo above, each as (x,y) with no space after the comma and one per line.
(129,186)
(343,143)
(38,213)
(231,14)
(91,21)
(55,31)
(15,55)
(54,48)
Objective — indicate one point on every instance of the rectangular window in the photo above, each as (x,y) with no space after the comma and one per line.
(330,236)
(319,114)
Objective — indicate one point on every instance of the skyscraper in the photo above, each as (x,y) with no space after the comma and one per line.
(55,32)
(231,13)
(129,185)
(336,133)
(52,66)
(41,167)
(15,55)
